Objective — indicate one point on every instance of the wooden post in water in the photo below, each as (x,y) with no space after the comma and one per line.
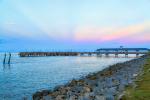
(4,58)
(9,58)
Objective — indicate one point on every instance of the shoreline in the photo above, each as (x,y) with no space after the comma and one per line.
(142,89)
(106,84)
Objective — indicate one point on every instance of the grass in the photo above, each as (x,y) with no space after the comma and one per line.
(142,91)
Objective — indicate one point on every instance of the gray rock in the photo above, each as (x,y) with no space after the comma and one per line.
(100,97)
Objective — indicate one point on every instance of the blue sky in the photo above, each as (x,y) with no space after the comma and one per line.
(73,24)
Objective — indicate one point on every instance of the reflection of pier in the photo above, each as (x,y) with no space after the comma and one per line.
(98,52)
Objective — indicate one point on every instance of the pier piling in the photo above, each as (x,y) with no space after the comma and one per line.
(4,58)
(9,58)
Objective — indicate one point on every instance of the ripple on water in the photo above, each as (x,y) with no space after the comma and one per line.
(25,75)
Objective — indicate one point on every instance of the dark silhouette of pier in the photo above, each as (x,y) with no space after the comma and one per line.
(98,52)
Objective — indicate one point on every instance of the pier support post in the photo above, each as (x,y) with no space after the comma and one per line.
(137,55)
(126,55)
(4,58)
(89,54)
(9,58)
(81,54)
(107,54)
(116,55)
(99,54)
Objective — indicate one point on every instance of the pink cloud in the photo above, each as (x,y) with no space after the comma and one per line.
(97,34)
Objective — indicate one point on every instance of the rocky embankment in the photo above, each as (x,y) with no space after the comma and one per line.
(107,84)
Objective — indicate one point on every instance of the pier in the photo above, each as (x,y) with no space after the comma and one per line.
(98,52)
(125,51)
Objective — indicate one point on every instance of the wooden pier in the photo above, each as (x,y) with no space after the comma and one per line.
(98,52)
(32,54)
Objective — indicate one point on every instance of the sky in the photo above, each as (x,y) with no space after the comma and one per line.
(27,25)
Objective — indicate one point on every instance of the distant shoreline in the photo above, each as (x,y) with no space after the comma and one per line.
(108,83)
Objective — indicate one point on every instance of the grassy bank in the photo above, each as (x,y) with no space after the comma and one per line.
(142,89)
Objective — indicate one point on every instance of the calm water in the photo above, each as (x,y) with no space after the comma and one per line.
(25,75)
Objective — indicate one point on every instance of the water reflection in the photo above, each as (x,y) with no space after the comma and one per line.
(24,76)
(6,67)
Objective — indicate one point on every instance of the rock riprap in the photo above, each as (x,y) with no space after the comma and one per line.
(103,85)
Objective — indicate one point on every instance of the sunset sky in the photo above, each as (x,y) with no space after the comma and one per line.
(73,24)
